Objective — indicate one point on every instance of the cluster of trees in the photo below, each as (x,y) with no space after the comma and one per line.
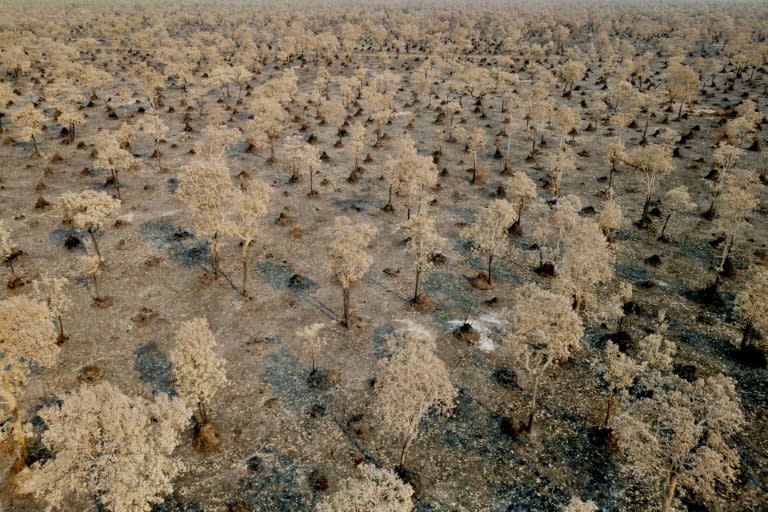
(519,84)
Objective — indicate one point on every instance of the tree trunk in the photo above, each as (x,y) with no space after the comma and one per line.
(246,246)
(745,334)
(404,452)
(95,244)
(608,410)
(680,110)
(490,261)
(726,252)
(664,227)
(418,276)
(95,282)
(345,318)
(610,175)
(202,412)
(34,143)
(216,254)
(644,218)
(62,337)
(669,493)
(533,402)
(311,186)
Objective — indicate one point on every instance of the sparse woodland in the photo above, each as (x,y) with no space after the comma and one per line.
(333,256)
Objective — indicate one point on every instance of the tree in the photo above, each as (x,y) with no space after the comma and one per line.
(543,331)
(204,187)
(216,140)
(475,143)
(560,161)
(380,108)
(27,336)
(375,490)
(110,155)
(522,190)
(410,382)
(156,129)
(618,371)
(334,113)
(752,305)
(92,266)
(50,290)
(199,371)
(423,241)
(451,109)
(312,341)
(488,232)
(585,263)
(70,116)
(610,217)
(30,122)
(8,250)
(310,159)
(614,153)
(348,259)
(6,95)
(356,142)
(110,447)
(652,161)
(410,174)
(88,210)
(677,200)
(292,147)
(682,84)
(740,196)
(724,159)
(65,98)
(568,122)
(244,222)
(269,121)
(678,437)
(571,72)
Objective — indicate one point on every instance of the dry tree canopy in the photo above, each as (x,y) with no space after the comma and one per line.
(109,444)
(468,167)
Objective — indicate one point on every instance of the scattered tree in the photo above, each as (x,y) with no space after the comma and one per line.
(543,331)
(488,232)
(30,122)
(619,371)
(422,243)
(204,187)
(312,341)
(348,259)
(27,336)
(50,290)
(410,382)
(677,200)
(752,305)
(88,210)
(522,192)
(375,490)
(678,437)
(244,222)
(108,447)
(652,161)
